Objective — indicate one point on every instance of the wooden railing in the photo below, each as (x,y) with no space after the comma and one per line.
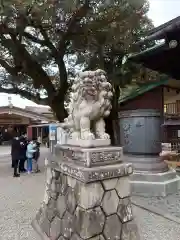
(172,108)
(173,145)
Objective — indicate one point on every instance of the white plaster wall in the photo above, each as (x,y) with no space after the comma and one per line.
(171,97)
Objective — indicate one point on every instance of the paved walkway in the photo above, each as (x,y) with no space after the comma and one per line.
(5,150)
(20,198)
(169,205)
(154,227)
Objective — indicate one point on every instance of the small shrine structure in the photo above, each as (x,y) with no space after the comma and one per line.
(13,118)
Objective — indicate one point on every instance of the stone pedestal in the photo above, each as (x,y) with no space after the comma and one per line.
(87,196)
(154,184)
(140,137)
(145,163)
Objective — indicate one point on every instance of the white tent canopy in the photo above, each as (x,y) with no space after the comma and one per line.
(16,101)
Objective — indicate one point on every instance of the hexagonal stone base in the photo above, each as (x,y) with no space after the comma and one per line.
(154,184)
(73,210)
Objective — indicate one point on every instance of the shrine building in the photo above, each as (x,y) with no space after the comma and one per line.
(13,118)
(151,115)
(164,95)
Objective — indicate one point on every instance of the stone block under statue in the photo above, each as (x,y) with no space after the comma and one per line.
(89,142)
(89,157)
(84,202)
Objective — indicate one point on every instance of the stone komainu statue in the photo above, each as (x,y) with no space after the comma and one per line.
(90,104)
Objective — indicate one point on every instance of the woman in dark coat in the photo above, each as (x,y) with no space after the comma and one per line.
(15,154)
(23,148)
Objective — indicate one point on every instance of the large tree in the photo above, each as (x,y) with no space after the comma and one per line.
(108,39)
(43,42)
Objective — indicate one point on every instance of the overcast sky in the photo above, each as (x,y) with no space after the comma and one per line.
(160,12)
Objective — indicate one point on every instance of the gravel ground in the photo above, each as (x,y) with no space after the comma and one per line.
(154,227)
(20,199)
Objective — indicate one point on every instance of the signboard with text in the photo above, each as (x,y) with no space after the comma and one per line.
(61,136)
(52,132)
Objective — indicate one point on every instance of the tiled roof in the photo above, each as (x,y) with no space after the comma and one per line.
(143,89)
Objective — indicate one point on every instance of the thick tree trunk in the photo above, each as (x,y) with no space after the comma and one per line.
(112,122)
(57,103)
(112,128)
(59,110)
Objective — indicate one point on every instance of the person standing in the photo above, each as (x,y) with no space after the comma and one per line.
(29,154)
(36,157)
(23,145)
(39,139)
(15,154)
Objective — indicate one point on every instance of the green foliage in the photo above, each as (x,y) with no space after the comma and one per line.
(44,42)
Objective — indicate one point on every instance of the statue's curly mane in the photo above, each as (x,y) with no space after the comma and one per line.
(90,103)
(91,83)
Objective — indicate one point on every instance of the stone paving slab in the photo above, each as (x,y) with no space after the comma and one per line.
(19,200)
(169,205)
(5,151)
(154,227)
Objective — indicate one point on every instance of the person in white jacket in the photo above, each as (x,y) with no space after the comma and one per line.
(29,154)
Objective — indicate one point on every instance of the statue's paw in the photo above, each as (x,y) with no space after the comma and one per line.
(75,135)
(104,136)
(88,136)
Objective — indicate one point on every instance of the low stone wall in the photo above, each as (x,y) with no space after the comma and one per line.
(96,210)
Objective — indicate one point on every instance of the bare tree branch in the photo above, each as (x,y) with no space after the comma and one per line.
(34,39)
(11,70)
(23,60)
